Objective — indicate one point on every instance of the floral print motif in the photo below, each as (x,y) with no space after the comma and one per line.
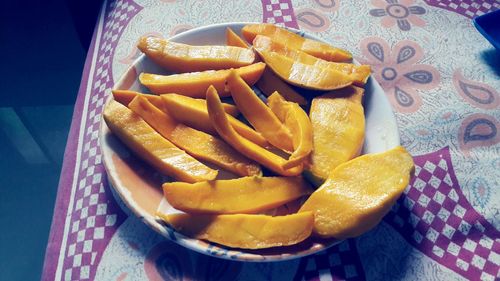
(398,72)
(398,11)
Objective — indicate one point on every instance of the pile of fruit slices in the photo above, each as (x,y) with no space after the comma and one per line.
(183,125)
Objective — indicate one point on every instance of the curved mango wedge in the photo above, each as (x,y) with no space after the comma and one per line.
(258,114)
(269,83)
(295,41)
(152,147)
(243,195)
(198,144)
(196,84)
(232,39)
(338,123)
(295,119)
(225,129)
(305,75)
(196,116)
(358,73)
(180,57)
(359,193)
(244,231)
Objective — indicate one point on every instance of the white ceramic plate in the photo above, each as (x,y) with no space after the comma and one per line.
(139,187)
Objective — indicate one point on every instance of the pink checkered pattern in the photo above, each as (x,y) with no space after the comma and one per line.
(279,12)
(437,219)
(95,215)
(468,8)
(340,262)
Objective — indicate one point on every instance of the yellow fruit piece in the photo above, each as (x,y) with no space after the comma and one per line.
(180,57)
(232,39)
(258,114)
(225,129)
(297,121)
(270,83)
(338,123)
(142,139)
(359,193)
(358,73)
(195,84)
(198,144)
(304,75)
(244,231)
(243,195)
(195,115)
(295,41)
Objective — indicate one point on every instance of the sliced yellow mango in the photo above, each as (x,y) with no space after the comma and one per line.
(295,41)
(195,115)
(225,129)
(258,114)
(338,123)
(358,73)
(180,57)
(304,75)
(243,195)
(269,83)
(146,143)
(244,231)
(359,193)
(232,39)
(195,84)
(198,144)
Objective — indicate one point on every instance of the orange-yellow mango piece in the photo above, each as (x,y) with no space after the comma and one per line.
(338,123)
(245,231)
(258,114)
(149,145)
(232,39)
(295,41)
(195,84)
(359,193)
(269,83)
(265,157)
(180,57)
(304,75)
(243,195)
(359,73)
(198,144)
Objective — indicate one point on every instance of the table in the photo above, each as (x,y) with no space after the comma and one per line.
(441,77)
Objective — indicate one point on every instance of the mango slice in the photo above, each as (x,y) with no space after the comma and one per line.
(195,84)
(180,57)
(295,41)
(297,121)
(196,116)
(126,96)
(232,39)
(244,231)
(225,129)
(152,147)
(304,75)
(258,114)
(198,144)
(358,73)
(243,195)
(359,193)
(269,83)
(338,123)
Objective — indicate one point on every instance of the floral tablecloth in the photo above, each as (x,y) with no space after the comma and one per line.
(442,78)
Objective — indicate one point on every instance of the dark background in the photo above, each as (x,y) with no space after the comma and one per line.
(43,45)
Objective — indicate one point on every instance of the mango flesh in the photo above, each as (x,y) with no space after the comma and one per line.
(180,57)
(149,145)
(198,144)
(195,84)
(359,73)
(304,75)
(359,193)
(243,195)
(338,123)
(243,230)
(295,41)
(232,39)
(270,83)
